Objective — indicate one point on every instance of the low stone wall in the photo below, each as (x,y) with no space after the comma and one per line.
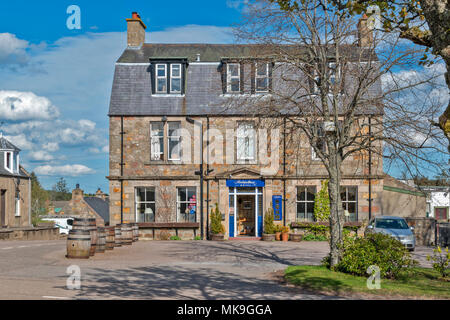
(424,230)
(39,233)
(163,231)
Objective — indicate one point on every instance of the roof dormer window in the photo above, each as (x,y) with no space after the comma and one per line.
(161,78)
(175,78)
(9,161)
(233,77)
(262,77)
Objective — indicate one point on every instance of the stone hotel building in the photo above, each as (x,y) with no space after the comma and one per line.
(164,98)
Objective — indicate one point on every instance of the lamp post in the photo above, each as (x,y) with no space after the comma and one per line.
(200,172)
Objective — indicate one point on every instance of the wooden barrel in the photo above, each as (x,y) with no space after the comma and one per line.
(109,231)
(127,234)
(117,236)
(87,224)
(135,228)
(78,244)
(101,240)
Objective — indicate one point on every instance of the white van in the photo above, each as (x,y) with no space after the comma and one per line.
(64,224)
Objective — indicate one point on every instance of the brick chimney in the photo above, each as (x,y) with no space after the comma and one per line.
(135,31)
(77,194)
(365,34)
(100,194)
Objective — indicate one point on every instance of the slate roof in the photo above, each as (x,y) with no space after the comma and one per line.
(6,145)
(100,206)
(132,88)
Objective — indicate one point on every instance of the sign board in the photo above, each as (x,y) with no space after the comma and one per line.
(277,205)
(246,183)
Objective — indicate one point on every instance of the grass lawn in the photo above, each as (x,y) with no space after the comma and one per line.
(422,283)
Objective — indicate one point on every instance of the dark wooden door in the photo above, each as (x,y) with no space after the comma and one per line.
(440,213)
(2,208)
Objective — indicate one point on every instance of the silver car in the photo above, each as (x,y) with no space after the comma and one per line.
(393,226)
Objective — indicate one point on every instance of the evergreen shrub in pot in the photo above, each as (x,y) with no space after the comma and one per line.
(217,229)
(269,226)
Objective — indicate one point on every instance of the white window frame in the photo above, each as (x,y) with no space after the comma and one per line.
(17,163)
(331,66)
(266,76)
(160,77)
(169,138)
(161,143)
(249,133)
(17,213)
(172,77)
(314,155)
(346,201)
(230,77)
(306,201)
(137,203)
(11,161)
(179,202)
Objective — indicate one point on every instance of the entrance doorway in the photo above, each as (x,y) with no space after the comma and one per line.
(246,211)
(246,215)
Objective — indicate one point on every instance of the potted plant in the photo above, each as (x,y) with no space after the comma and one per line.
(217,229)
(278,232)
(285,233)
(269,226)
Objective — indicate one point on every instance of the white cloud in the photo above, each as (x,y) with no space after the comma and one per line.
(16,105)
(40,155)
(73,170)
(20,141)
(51,146)
(12,50)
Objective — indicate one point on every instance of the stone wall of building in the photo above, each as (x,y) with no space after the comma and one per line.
(9,184)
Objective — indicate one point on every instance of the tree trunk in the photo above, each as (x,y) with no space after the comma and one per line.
(336,211)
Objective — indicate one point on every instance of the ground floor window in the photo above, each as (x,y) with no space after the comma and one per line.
(349,197)
(305,203)
(186,204)
(145,204)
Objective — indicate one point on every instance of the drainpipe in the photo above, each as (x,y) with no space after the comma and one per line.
(284,171)
(370,168)
(29,201)
(207,173)
(200,173)
(121,169)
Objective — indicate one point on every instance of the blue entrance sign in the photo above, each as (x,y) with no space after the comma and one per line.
(277,205)
(246,183)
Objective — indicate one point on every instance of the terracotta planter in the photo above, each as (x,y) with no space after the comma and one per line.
(296,237)
(217,237)
(285,237)
(268,237)
(278,236)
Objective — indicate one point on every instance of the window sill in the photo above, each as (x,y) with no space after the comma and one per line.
(169,224)
(167,95)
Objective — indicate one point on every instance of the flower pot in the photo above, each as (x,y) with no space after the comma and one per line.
(217,237)
(278,236)
(268,237)
(296,237)
(285,237)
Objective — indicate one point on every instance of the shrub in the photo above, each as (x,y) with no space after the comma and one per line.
(278,228)
(198,238)
(440,261)
(322,203)
(312,237)
(175,238)
(377,249)
(285,229)
(269,226)
(216,221)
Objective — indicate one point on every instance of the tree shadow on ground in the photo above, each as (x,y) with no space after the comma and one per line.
(242,253)
(317,283)
(177,282)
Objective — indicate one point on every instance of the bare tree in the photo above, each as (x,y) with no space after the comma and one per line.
(345,95)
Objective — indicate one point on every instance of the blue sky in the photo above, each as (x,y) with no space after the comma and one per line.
(59,80)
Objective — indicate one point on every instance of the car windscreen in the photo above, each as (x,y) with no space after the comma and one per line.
(391,224)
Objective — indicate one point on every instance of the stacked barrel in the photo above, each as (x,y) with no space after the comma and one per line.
(86,239)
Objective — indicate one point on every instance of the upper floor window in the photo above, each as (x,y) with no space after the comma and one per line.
(161,78)
(157,140)
(174,141)
(233,77)
(175,78)
(321,142)
(262,77)
(333,73)
(246,141)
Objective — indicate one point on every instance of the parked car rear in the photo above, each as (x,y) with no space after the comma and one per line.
(396,227)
